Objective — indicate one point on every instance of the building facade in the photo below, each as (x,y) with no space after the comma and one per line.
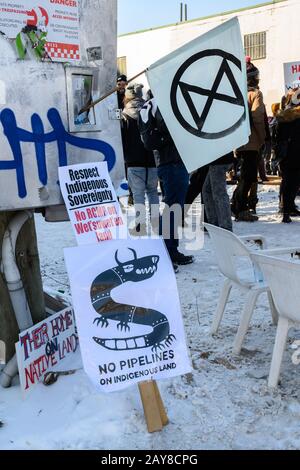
(271,37)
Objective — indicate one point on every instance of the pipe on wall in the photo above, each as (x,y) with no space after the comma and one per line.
(15,286)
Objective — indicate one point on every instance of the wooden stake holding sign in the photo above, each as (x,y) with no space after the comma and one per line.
(154,410)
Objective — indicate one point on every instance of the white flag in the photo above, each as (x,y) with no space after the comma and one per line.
(201,91)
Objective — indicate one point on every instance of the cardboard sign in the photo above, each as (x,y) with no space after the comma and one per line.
(203,95)
(45,346)
(291,75)
(92,203)
(58,19)
(127,312)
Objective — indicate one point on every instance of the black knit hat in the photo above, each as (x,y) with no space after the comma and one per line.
(122,78)
(252,71)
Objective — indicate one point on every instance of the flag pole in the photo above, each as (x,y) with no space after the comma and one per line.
(91,105)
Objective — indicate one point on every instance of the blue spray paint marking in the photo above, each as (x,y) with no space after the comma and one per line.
(16,135)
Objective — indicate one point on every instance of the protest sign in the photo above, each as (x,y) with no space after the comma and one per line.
(92,204)
(45,346)
(127,312)
(58,19)
(291,75)
(201,91)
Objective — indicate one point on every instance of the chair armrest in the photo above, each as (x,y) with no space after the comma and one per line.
(294,252)
(258,239)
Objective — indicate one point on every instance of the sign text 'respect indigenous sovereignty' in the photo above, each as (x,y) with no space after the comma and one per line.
(92,203)
(44,346)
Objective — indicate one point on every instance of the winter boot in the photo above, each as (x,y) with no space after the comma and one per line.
(286,219)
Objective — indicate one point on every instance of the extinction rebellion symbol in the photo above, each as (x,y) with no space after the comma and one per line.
(212,94)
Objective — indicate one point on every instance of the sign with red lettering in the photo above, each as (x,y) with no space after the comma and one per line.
(92,203)
(44,346)
(292,75)
(58,20)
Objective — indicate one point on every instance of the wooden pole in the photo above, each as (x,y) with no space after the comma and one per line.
(154,410)
(162,410)
(86,108)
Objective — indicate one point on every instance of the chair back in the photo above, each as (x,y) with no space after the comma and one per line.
(228,247)
(283,278)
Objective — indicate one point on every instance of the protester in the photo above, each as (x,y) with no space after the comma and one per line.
(265,152)
(288,153)
(142,172)
(249,154)
(171,172)
(175,180)
(215,196)
(121,87)
(273,167)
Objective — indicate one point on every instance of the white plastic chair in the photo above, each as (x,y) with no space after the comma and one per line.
(228,248)
(283,277)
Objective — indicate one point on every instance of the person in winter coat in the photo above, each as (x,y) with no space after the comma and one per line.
(215,197)
(175,180)
(273,168)
(249,154)
(172,174)
(141,168)
(288,153)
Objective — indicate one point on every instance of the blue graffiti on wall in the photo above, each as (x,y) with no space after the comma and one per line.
(16,135)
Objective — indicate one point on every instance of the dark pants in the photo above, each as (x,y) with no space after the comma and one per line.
(289,188)
(196,184)
(248,169)
(175,179)
(215,197)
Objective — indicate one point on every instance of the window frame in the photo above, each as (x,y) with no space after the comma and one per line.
(255,45)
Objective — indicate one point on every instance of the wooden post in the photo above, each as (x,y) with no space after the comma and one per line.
(155,413)
(29,266)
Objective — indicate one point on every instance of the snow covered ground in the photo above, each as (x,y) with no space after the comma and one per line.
(223,404)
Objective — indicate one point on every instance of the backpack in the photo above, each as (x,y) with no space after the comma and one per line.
(151,136)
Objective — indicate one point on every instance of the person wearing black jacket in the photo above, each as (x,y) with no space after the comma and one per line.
(175,180)
(140,163)
(288,153)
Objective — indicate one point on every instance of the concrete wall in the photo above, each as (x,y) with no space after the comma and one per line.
(30,87)
(280,21)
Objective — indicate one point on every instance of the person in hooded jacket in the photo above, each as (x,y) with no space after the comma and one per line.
(140,163)
(288,153)
(249,153)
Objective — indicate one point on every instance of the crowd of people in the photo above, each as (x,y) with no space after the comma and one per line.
(152,159)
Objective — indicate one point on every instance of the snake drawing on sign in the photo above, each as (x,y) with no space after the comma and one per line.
(135,270)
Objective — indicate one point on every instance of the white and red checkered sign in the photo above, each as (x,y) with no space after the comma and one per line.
(58,50)
(59,18)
